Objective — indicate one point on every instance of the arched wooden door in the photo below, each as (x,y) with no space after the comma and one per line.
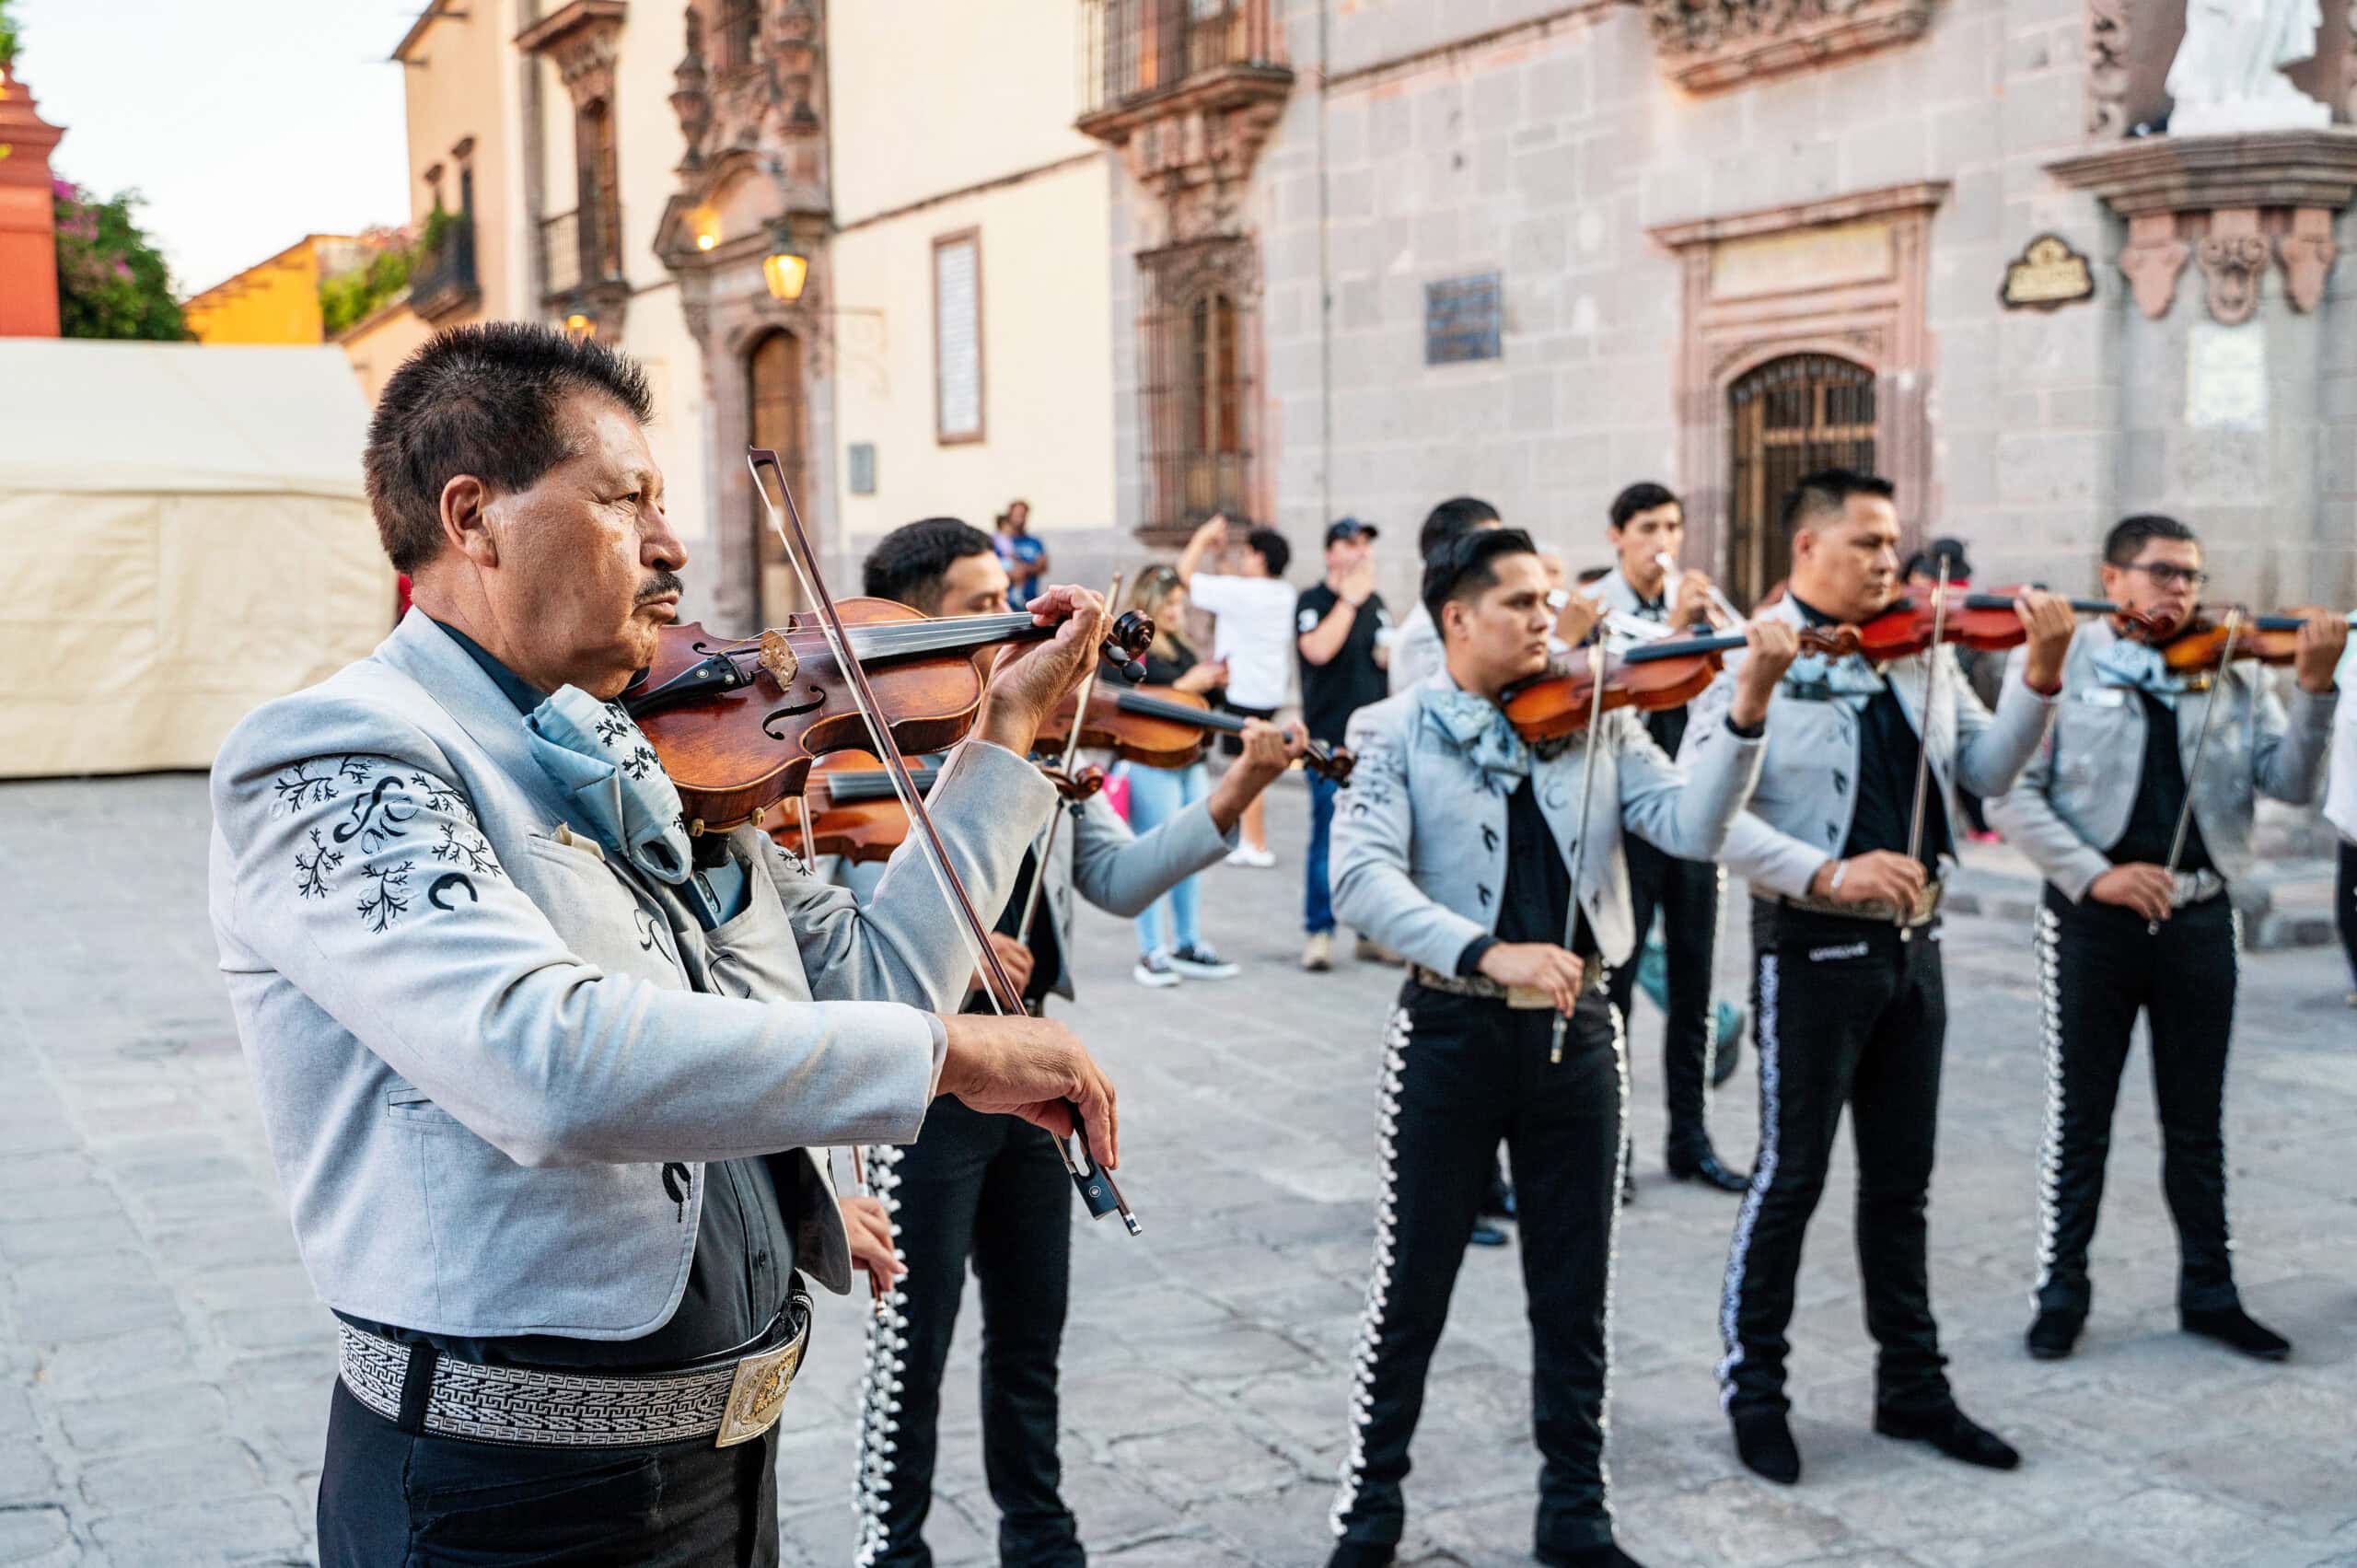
(1789,418)
(778,421)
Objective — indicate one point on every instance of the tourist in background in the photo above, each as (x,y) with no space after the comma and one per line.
(1252,640)
(1339,624)
(1171,943)
(2341,809)
(1022,553)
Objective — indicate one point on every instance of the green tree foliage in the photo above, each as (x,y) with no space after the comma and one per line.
(111,282)
(9,37)
(351,295)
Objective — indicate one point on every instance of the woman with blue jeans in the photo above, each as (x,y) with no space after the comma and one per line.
(1169,943)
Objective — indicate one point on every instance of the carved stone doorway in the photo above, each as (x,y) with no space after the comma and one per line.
(1789,417)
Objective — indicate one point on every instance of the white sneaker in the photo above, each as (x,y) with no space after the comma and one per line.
(1202,963)
(1154,971)
(1256,859)
(1317,953)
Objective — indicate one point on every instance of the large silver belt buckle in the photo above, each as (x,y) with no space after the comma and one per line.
(756,1394)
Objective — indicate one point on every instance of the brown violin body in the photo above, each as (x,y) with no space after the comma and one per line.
(1987,622)
(2199,645)
(854,813)
(1161,727)
(1649,678)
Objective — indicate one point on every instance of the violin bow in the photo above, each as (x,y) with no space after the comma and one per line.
(1923,736)
(1097,1189)
(1579,844)
(2201,744)
(1072,752)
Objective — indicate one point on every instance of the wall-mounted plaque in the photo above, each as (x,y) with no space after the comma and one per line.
(1463,319)
(862,463)
(2048,274)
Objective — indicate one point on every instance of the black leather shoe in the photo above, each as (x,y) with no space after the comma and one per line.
(1484,1236)
(1763,1441)
(2054,1333)
(2237,1329)
(1953,1433)
(1705,1166)
(1605,1554)
(1497,1201)
(1361,1555)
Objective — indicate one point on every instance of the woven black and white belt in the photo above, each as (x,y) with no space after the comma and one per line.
(730,1401)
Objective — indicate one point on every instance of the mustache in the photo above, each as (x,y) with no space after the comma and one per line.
(663,582)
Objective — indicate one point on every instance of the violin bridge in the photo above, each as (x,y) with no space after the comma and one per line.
(778,657)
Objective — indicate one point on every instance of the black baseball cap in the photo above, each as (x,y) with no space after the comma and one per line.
(1343,529)
(1927,560)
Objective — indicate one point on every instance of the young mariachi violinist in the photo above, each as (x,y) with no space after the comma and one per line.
(1461,846)
(1844,843)
(990,1190)
(2139,863)
(1647,531)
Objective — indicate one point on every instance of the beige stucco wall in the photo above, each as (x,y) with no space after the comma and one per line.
(929,96)
(461,82)
(1047,358)
(377,345)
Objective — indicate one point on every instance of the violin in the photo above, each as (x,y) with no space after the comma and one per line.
(1648,676)
(738,723)
(1161,727)
(1983,621)
(2200,645)
(854,812)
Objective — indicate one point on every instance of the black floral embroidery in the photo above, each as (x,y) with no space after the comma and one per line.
(461,846)
(639,762)
(392,897)
(677,1188)
(312,870)
(298,786)
(434,796)
(646,938)
(353,770)
(451,881)
(612,727)
(378,816)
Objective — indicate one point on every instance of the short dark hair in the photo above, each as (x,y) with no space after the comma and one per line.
(1274,551)
(1643,497)
(1457,515)
(1828,490)
(1466,565)
(907,563)
(485,400)
(2128,537)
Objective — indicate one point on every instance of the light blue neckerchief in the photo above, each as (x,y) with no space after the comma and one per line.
(609,774)
(2140,665)
(1848,679)
(1480,728)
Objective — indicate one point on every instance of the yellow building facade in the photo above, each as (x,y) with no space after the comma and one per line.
(277,301)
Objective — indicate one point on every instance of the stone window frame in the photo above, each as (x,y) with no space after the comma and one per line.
(1880,324)
(970,236)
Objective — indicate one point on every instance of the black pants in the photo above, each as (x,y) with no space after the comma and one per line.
(388,1499)
(1848,1014)
(991,1190)
(2344,905)
(1459,1075)
(2099,967)
(1686,894)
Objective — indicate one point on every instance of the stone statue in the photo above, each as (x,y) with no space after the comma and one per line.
(2228,75)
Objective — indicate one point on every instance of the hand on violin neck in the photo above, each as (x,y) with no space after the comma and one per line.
(2323,636)
(1267,752)
(1033,1068)
(1031,680)
(2049,621)
(1771,644)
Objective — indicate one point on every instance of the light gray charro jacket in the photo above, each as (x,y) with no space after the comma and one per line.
(1799,815)
(1119,871)
(1420,833)
(477,1040)
(2073,799)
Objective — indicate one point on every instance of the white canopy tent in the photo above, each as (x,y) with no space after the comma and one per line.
(183,535)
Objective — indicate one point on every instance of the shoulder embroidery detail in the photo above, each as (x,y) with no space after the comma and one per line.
(312,870)
(391,896)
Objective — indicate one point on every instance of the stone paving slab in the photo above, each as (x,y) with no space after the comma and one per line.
(166,1369)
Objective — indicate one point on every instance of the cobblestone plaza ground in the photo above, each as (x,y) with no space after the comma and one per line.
(167,1368)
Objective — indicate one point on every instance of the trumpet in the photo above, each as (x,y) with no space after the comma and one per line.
(1671,572)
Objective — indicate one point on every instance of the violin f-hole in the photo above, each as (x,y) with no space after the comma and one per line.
(817,698)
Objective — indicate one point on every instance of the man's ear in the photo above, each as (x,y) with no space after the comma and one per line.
(466,523)
(1804,545)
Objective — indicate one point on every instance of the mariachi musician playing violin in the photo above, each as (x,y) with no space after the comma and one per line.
(539,1073)
(1844,843)
(987,1189)
(2140,862)
(1496,868)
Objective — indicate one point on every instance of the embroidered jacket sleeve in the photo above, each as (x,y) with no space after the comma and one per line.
(362,879)
(1375,829)
(1753,848)
(903,941)
(1991,750)
(2025,816)
(1686,810)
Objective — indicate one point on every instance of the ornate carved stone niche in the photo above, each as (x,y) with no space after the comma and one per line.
(2231,204)
(580,38)
(1707,44)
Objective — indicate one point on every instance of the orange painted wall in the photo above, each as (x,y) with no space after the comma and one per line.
(28,219)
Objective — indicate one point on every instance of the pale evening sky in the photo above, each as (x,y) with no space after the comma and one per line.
(245,123)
